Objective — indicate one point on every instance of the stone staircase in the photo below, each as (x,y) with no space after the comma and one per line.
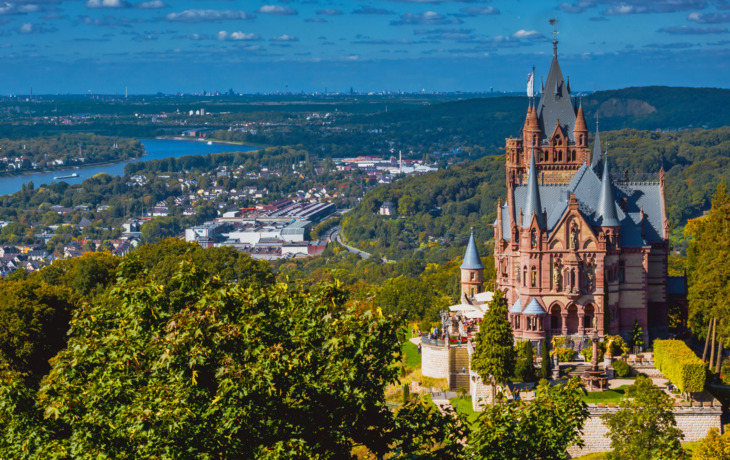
(459,359)
(578,369)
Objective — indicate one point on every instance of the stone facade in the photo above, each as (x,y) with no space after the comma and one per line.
(695,423)
(577,253)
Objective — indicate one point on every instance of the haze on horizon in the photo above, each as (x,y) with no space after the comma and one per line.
(251,46)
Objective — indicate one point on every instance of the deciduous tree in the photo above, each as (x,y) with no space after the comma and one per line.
(644,427)
(543,428)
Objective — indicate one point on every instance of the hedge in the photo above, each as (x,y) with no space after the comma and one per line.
(680,365)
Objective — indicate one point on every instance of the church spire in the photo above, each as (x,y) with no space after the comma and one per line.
(606,201)
(596,149)
(471,256)
(532,200)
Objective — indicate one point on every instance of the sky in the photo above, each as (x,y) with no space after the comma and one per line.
(254,46)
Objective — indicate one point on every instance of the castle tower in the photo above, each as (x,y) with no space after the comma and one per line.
(472,272)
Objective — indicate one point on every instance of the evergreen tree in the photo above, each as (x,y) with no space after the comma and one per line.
(545,365)
(494,354)
(636,339)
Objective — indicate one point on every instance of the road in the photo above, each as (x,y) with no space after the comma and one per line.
(334,235)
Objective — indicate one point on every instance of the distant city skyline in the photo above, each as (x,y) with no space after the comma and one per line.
(251,46)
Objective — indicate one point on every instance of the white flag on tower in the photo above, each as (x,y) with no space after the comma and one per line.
(531,84)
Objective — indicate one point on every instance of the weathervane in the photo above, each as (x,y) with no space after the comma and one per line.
(554,22)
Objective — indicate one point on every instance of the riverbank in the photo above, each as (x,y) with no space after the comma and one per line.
(65,168)
(155,149)
(214,141)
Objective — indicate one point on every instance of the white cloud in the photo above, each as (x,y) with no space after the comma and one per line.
(284,38)
(107,4)
(277,10)
(238,36)
(151,5)
(207,15)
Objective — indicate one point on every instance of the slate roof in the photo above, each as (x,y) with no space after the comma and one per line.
(555,101)
(606,201)
(517,307)
(471,257)
(587,188)
(534,308)
(596,158)
(532,200)
(677,285)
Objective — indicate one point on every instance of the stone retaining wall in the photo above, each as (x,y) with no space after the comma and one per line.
(694,422)
(435,361)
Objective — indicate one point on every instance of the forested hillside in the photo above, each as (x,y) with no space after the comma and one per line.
(435,211)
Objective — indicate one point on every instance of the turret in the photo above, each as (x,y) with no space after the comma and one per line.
(580,131)
(472,271)
(596,159)
(606,201)
(532,198)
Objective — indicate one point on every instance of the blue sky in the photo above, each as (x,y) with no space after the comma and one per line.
(101,46)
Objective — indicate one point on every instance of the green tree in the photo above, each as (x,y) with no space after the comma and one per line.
(636,337)
(715,446)
(545,362)
(34,319)
(543,428)
(219,370)
(494,354)
(644,427)
(707,256)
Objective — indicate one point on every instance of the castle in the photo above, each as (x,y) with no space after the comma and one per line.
(576,251)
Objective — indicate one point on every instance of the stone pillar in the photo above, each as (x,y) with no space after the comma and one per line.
(594,361)
(581,322)
(564,321)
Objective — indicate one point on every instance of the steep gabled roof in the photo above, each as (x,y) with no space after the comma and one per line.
(596,159)
(555,101)
(471,257)
(606,201)
(532,200)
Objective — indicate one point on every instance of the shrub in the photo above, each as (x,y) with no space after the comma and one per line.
(622,369)
(525,371)
(565,354)
(587,353)
(679,363)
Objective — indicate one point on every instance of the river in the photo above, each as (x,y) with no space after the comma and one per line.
(156,149)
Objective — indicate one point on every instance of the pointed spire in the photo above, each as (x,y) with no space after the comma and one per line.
(607,202)
(532,200)
(471,257)
(558,104)
(596,149)
(580,121)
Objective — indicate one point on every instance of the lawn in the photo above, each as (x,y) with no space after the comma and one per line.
(687,446)
(412,356)
(608,396)
(463,406)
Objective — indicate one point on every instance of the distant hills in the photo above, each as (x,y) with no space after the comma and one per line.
(484,123)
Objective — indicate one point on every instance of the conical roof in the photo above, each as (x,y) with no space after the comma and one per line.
(471,257)
(596,150)
(532,199)
(555,103)
(606,201)
(580,120)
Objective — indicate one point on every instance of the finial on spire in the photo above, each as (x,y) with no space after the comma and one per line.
(554,22)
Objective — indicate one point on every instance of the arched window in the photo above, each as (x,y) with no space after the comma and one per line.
(518,274)
(533,238)
(471,276)
(524,281)
(533,277)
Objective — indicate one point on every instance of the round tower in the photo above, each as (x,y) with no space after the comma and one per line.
(472,271)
